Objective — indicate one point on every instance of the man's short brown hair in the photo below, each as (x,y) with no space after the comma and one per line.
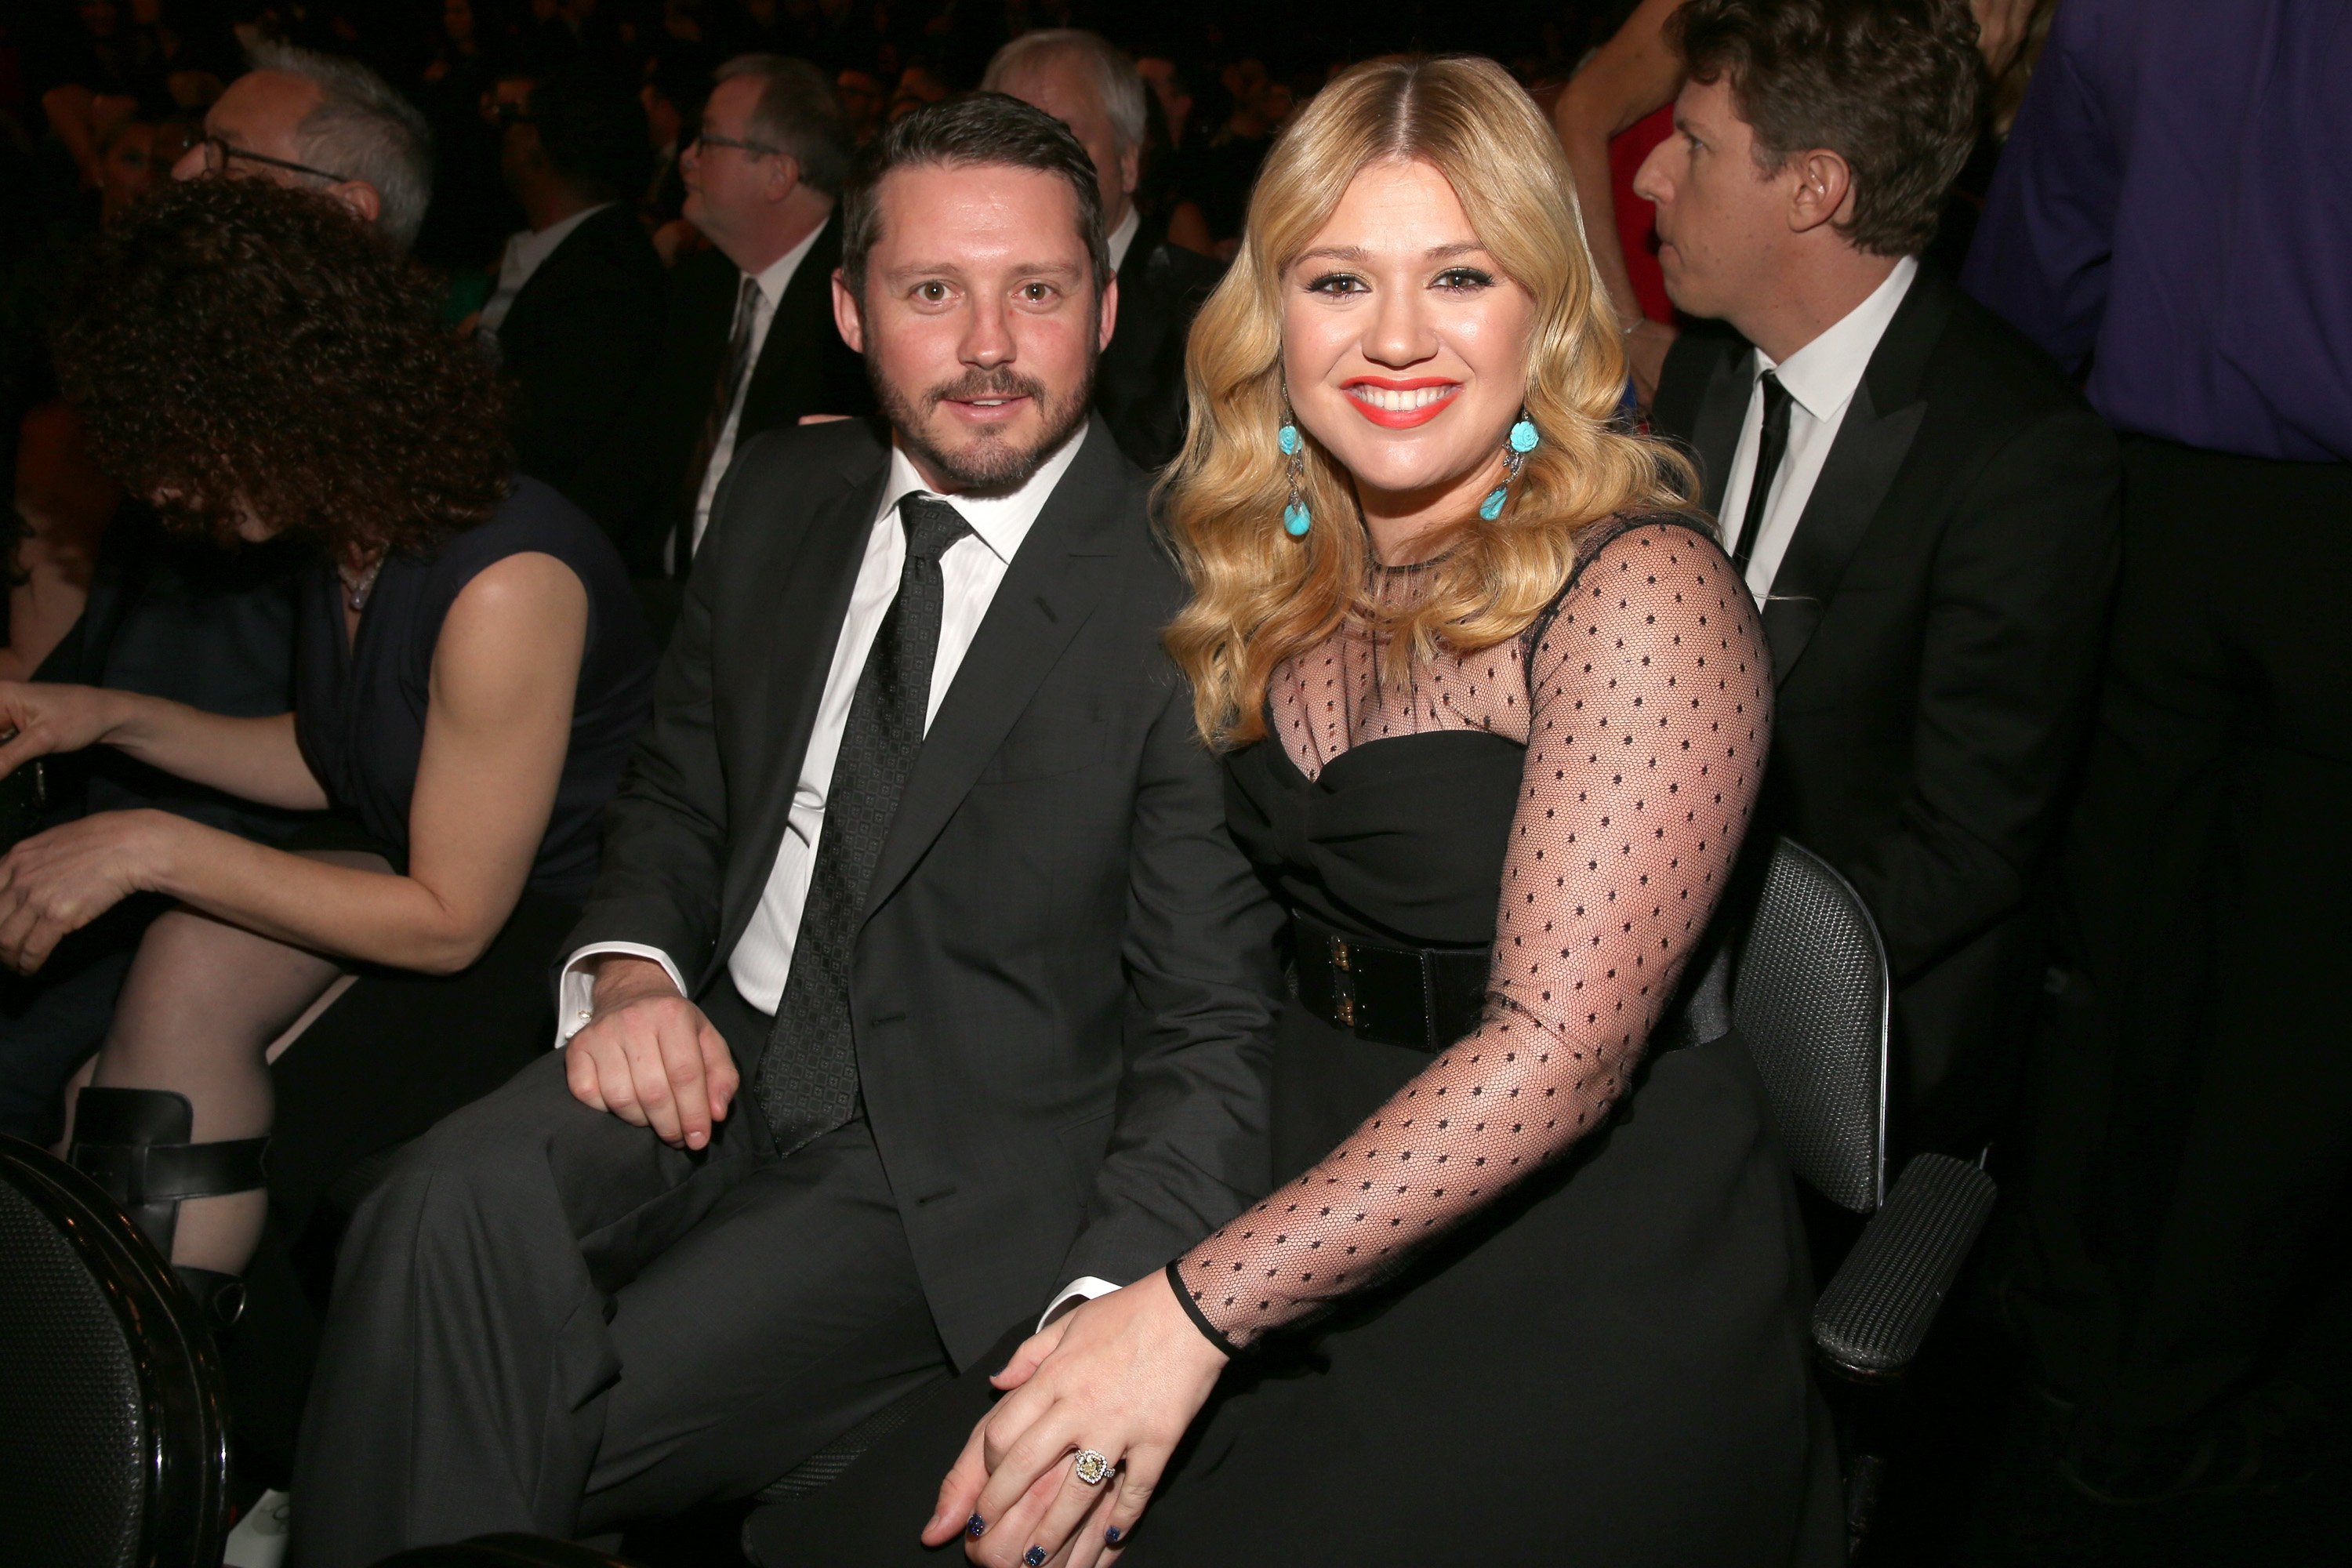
(1890,86)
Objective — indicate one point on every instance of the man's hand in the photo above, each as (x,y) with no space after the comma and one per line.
(648,1056)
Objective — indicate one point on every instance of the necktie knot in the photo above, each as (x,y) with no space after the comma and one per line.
(931,525)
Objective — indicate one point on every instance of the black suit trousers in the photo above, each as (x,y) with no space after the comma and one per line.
(2193,1117)
(549,1320)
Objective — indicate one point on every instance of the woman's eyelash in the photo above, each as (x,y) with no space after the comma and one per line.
(1325,283)
(1463,278)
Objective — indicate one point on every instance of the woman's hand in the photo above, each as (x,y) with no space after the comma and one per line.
(57,883)
(37,718)
(1124,1375)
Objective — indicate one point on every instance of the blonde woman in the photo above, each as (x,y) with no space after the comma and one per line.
(1495,709)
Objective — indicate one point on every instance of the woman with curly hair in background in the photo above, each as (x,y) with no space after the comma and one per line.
(470,673)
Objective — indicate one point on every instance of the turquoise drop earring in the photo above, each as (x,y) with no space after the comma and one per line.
(1522,440)
(1296,519)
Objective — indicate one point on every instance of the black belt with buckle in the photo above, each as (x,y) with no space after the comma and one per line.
(1424,997)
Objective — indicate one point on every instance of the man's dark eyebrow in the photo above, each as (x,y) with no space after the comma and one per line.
(954,270)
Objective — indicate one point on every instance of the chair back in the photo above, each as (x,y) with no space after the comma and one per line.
(113,1451)
(1811,991)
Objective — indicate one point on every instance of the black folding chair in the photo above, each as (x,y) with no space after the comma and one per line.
(1811,991)
(113,1448)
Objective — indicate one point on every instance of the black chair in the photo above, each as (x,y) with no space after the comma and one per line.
(1811,991)
(114,1446)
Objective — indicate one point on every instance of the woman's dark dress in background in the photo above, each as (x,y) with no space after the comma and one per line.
(398,1051)
(1609,1362)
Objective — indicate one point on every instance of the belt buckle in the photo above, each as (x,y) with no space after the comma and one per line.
(1343,990)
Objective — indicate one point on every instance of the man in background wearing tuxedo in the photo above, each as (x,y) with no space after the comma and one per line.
(576,317)
(1079,79)
(749,343)
(1924,509)
(921,852)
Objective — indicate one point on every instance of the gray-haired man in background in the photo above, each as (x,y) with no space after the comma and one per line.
(321,122)
(1081,80)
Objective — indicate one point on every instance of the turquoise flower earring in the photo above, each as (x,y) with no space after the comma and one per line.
(1522,440)
(1296,519)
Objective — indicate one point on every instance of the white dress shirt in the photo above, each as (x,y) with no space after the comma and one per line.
(526,250)
(971,571)
(770,293)
(1122,238)
(1821,379)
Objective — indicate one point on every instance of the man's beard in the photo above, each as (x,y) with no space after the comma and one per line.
(991,465)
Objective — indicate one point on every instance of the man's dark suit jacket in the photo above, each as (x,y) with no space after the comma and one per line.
(578,338)
(1064,981)
(1934,630)
(635,487)
(1140,384)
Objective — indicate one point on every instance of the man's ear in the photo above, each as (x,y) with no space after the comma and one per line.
(1130,169)
(361,197)
(1823,191)
(784,179)
(1109,313)
(848,319)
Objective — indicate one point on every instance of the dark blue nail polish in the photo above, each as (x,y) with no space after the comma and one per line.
(975,1527)
(1110,1536)
(1035,1557)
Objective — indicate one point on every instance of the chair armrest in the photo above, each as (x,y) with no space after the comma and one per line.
(1870,1321)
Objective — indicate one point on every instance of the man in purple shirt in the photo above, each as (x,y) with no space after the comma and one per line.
(2173,214)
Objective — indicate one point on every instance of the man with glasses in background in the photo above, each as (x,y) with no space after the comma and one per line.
(320,122)
(749,343)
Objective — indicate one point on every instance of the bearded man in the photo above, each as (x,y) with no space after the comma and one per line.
(923,988)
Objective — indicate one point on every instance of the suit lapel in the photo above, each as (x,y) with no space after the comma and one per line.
(1136,332)
(1714,433)
(1051,587)
(1873,441)
(804,597)
(787,380)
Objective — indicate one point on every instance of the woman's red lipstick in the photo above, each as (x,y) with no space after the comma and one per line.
(1400,403)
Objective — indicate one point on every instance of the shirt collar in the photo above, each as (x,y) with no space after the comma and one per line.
(777,276)
(1000,521)
(1122,238)
(527,249)
(1821,377)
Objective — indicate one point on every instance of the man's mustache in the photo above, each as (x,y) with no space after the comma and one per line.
(978,385)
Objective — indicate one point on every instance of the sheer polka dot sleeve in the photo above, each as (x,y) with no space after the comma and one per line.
(1648,712)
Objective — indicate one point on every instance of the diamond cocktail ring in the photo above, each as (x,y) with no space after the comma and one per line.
(1093,1468)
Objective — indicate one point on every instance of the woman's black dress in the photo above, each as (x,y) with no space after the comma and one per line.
(398,1051)
(1538,1297)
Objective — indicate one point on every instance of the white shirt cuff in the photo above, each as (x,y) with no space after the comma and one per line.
(575,993)
(1076,1292)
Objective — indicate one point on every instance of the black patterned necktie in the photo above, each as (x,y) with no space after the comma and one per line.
(714,420)
(807,1077)
(1772,442)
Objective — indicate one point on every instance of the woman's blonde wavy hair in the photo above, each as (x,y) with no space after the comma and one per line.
(1260,597)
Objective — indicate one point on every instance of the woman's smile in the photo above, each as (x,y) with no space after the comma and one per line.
(1400,405)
